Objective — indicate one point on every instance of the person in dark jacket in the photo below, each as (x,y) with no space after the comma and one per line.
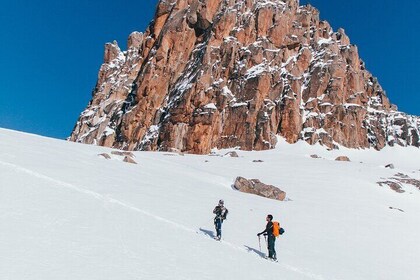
(271,239)
(221,212)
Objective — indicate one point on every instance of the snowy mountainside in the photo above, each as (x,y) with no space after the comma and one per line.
(67,213)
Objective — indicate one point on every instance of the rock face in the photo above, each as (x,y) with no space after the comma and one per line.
(254,186)
(236,73)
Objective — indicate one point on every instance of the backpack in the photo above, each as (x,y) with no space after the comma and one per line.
(277,230)
(281,231)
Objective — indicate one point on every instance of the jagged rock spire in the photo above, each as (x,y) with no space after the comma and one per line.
(228,73)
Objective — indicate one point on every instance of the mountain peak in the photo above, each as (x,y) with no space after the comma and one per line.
(228,73)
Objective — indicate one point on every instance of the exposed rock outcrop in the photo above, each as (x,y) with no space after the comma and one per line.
(122,153)
(395,186)
(398,180)
(125,156)
(394,208)
(129,159)
(254,186)
(390,166)
(342,158)
(105,155)
(232,154)
(229,73)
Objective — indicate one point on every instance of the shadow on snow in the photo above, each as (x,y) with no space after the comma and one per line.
(208,232)
(258,252)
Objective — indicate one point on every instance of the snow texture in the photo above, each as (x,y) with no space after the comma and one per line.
(67,213)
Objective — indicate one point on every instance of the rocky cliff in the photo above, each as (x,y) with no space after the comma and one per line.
(236,73)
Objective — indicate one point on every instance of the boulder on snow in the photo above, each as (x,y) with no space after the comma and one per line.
(232,154)
(395,186)
(105,155)
(255,186)
(315,156)
(394,208)
(342,158)
(121,153)
(129,160)
(257,160)
(390,166)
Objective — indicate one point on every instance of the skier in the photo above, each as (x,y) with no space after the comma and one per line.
(271,238)
(221,212)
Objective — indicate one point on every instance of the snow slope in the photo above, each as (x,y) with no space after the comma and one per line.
(67,213)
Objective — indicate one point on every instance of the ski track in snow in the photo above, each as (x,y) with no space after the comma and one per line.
(130,207)
(92,194)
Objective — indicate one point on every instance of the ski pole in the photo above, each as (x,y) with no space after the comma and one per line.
(259,241)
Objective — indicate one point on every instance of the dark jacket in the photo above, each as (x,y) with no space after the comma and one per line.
(221,212)
(268,229)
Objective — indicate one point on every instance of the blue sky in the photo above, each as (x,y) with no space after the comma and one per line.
(51,52)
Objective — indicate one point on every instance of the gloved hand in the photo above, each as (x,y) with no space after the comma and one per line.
(258,234)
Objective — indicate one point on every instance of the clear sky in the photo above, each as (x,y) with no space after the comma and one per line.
(51,51)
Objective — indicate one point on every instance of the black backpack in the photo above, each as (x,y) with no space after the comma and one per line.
(281,231)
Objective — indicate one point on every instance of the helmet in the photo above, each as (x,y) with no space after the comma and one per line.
(221,202)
